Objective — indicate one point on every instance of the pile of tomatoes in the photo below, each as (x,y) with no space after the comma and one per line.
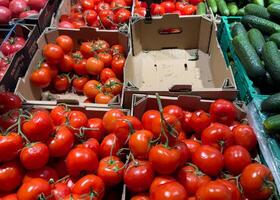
(7,50)
(168,154)
(95,69)
(103,14)
(167,6)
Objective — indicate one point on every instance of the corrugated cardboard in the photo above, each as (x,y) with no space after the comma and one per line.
(186,62)
(34,95)
(22,58)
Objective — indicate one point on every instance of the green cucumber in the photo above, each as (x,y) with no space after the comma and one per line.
(259,2)
(271,58)
(222,7)
(233,9)
(213,5)
(275,38)
(238,29)
(256,10)
(241,12)
(257,40)
(201,9)
(272,124)
(271,104)
(265,26)
(274,9)
(273,1)
(249,58)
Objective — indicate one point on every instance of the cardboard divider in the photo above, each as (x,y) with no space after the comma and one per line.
(35,95)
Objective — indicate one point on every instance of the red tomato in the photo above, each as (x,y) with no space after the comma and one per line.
(92,88)
(94,66)
(184,151)
(168,6)
(138,176)
(173,109)
(79,83)
(60,191)
(10,146)
(209,160)
(12,45)
(58,115)
(66,64)
(11,175)
(105,74)
(188,10)
(81,159)
(157,9)
(101,46)
(113,85)
(53,53)
(106,58)
(160,180)
(164,160)
(52,68)
(195,2)
(45,173)
(109,146)
(117,49)
(148,117)
(65,42)
(103,98)
(199,121)
(140,11)
(77,119)
(34,189)
(41,77)
(244,135)
(92,144)
(10,197)
(95,123)
(223,111)
(79,63)
(186,126)
(122,16)
(87,50)
(9,101)
(192,145)
(110,119)
(231,187)
(87,4)
(61,83)
(90,16)
(111,170)
(34,156)
(140,143)
(117,65)
(169,191)
(140,197)
(102,6)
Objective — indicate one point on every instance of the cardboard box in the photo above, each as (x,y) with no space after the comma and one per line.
(177,56)
(35,95)
(22,58)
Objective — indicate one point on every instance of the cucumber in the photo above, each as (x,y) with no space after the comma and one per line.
(238,29)
(271,104)
(273,1)
(233,9)
(213,5)
(222,7)
(275,38)
(258,2)
(265,26)
(272,124)
(257,10)
(257,40)
(249,58)
(201,9)
(274,9)
(271,58)
(241,12)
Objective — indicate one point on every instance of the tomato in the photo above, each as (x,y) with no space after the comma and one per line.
(8,120)
(199,121)
(117,5)
(62,142)
(182,136)
(41,77)
(231,187)
(174,110)
(185,122)
(45,173)
(195,2)
(244,135)
(111,118)
(140,197)
(102,6)
(39,127)
(214,190)
(148,117)
(77,119)
(223,111)
(164,160)
(138,176)
(65,42)
(10,197)
(53,53)
(66,64)
(78,23)
(122,16)
(254,181)
(157,9)
(209,160)
(53,69)
(188,10)
(34,189)
(117,49)
(90,184)
(95,123)
(113,85)
(65,24)
(79,82)
(106,58)
(122,127)
(160,180)
(168,6)
(109,146)
(101,46)
(81,159)
(60,191)
(58,115)
(184,151)
(12,45)
(192,179)
(140,143)
(236,158)
(9,101)
(37,4)
(117,65)
(61,83)
(79,63)
(87,4)
(217,135)
(92,144)
(103,98)
(111,170)
(92,88)
(106,73)
(169,191)
(11,175)
(6,15)
(140,11)
(34,156)
(192,145)
(94,66)
(10,145)
(90,16)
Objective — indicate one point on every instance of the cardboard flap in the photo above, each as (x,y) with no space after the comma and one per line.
(180,88)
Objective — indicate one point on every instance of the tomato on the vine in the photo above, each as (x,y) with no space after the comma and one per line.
(244,135)
(46,173)
(53,53)
(95,123)
(109,146)
(10,146)
(140,143)
(111,118)
(170,190)
(65,42)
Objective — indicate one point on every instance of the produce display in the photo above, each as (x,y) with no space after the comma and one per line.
(95,69)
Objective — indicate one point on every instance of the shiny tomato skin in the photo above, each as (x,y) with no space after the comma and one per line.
(185,122)
(174,110)
(138,176)
(92,88)
(87,4)
(106,58)
(90,16)
(45,173)
(65,42)
(41,77)
(236,195)
(244,135)
(95,123)
(77,119)
(61,83)
(101,45)
(58,115)
(199,121)
(110,145)
(10,197)
(122,16)
(140,197)
(79,63)
(9,101)
(169,7)
(139,143)
(60,191)
(209,160)
(105,74)
(94,66)
(117,49)
(113,85)
(103,98)
(10,145)
(92,144)
(117,65)
(110,119)
(192,145)
(157,9)
(184,151)
(148,117)
(170,191)
(79,82)
(160,180)
(53,53)
(66,64)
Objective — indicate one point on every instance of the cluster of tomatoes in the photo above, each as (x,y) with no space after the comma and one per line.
(103,14)
(7,50)
(94,69)
(167,6)
(168,154)
(19,9)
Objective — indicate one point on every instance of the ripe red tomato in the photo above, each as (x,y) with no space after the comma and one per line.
(195,2)
(58,115)
(157,9)
(184,151)
(118,64)
(77,119)
(87,50)
(66,64)
(160,180)
(113,85)
(140,197)
(192,145)
(79,63)
(117,49)
(94,66)
(185,122)
(109,146)
(101,46)
(110,119)
(9,101)
(103,98)
(53,53)
(60,191)
(10,146)
(10,197)
(170,190)
(188,10)
(41,77)
(90,16)
(52,68)
(106,17)
(209,160)
(174,109)
(148,117)
(199,121)
(45,173)
(65,42)
(79,82)
(92,144)
(92,88)
(168,6)
(102,6)
(140,143)
(244,135)
(95,123)
(106,58)
(34,189)
(105,74)
(122,16)
(87,4)
(231,187)
(140,11)
(12,45)
(11,175)
(111,170)
(164,160)
(139,175)
(61,83)
(81,159)
(34,156)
